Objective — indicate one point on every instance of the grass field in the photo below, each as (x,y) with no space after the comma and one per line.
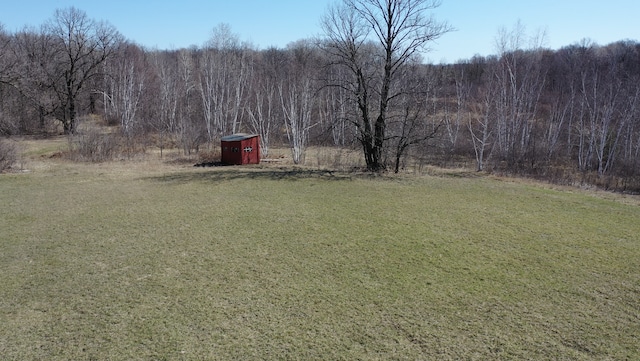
(124,261)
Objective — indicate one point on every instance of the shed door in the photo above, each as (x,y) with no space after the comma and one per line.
(247,153)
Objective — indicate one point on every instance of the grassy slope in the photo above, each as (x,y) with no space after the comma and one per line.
(269,264)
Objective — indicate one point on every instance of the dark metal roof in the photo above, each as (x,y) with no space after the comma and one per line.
(237,137)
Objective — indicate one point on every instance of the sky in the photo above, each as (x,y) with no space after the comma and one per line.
(174,24)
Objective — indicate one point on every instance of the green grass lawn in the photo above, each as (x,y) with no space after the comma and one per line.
(269,263)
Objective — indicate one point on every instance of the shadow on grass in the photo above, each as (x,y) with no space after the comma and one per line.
(230,173)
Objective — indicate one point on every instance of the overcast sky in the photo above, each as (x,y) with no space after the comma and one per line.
(180,23)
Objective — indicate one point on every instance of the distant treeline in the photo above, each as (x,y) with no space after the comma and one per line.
(569,115)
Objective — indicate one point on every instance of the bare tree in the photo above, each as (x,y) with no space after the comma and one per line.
(78,46)
(400,30)
(521,79)
(223,77)
(561,109)
(335,107)
(30,75)
(296,97)
(481,121)
(164,101)
(608,104)
(414,120)
(7,77)
(454,122)
(189,130)
(262,106)
(334,113)
(7,61)
(125,85)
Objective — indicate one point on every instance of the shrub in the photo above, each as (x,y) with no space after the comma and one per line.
(210,156)
(94,146)
(8,154)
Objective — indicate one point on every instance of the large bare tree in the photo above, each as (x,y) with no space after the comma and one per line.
(374,39)
(77,47)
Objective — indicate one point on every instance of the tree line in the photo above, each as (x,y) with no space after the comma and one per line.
(568,115)
(564,115)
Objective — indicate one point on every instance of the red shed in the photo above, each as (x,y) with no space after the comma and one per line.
(240,149)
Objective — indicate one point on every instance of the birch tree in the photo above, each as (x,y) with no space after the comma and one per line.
(189,132)
(335,110)
(223,77)
(126,84)
(608,106)
(264,100)
(481,121)
(296,90)
(521,81)
(165,101)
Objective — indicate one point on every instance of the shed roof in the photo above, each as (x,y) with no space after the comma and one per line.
(237,137)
